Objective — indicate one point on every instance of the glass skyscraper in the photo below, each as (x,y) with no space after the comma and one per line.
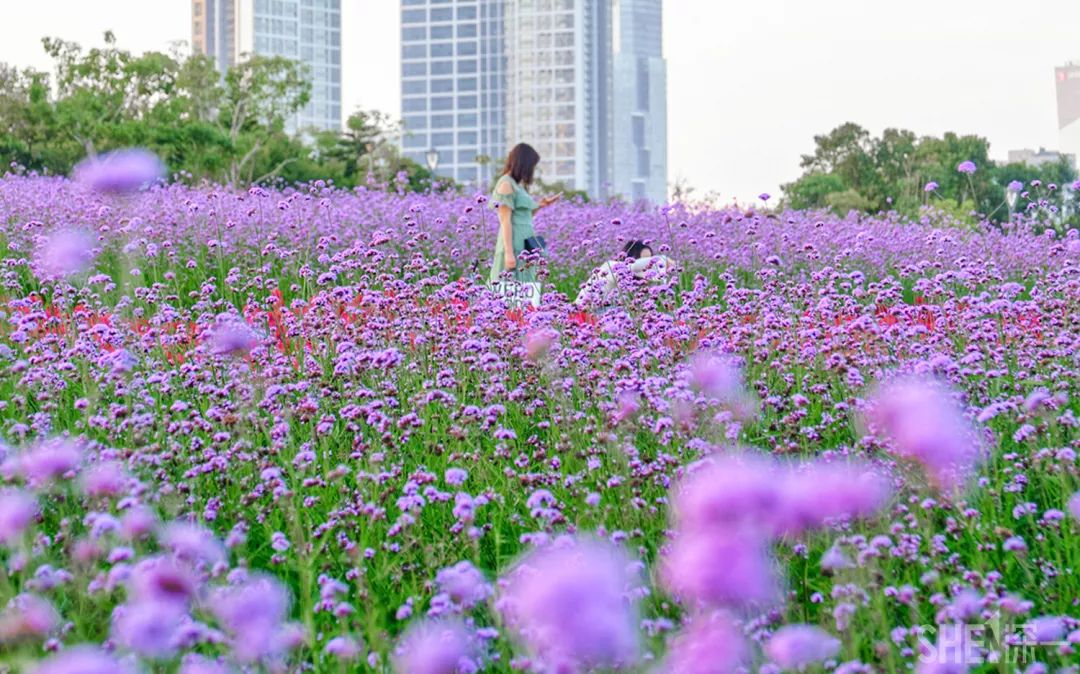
(639,120)
(308,31)
(453,85)
(552,73)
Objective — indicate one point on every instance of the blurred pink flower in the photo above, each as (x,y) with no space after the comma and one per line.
(1074,506)
(252,613)
(120,171)
(343,648)
(435,648)
(50,460)
(967,167)
(726,491)
(161,580)
(104,479)
(720,376)
(721,568)
(710,645)
(17,511)
(82,659)
(27,616)
(568,602)
(230,338)
(538,343)
(798,646)
(147,628)
(198,664)
(924,423)
(66,253)
(192,543)
(464,584)
(809,498)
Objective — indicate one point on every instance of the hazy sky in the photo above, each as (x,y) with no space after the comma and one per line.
(749,83)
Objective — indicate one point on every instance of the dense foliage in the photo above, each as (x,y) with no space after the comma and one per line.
(204,126)
(851,169)
(291,430)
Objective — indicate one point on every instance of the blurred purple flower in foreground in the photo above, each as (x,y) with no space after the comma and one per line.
(710,645)
(253,614)
(797,646)
(435,648)
(967,167)
(66,253)
(51,460)
(17,511)
(232,338)
(930,187)
(1016,186)
(27,616)
(924,423)
(120,171)
(1074,506)
(568,603)
(82,660)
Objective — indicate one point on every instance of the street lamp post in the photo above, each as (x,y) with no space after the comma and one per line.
(1010,198)
(432,159)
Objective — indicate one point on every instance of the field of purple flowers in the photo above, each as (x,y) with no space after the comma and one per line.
(292,431)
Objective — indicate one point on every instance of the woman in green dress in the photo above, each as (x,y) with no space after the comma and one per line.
(516,209)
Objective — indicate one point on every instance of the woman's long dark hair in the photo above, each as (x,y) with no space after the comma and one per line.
(521,164)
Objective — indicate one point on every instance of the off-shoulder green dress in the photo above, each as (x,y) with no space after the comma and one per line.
(521,228)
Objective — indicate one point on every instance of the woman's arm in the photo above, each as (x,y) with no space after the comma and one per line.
(547,201)
(506,228)
(509,261)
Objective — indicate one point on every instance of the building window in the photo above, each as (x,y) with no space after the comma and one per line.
(413,34)
(643,163)
(442,121)
(638,123)
(413,51)
(642,84)
(442,86)
(415,122)
(442,103)
(414,69)
(442,32)
(466,30)
(413,16)
(414,105)
(442,14)
(466,13)
(442,50)
(442,139)
(442,67)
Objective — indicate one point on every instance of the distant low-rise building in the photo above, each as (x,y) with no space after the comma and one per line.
(1040,158)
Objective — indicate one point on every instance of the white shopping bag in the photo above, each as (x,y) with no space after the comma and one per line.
(518,293)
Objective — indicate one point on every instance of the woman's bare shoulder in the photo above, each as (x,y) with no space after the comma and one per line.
(505,185)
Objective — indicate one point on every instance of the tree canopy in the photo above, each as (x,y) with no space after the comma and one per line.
(850,169)
(230,129)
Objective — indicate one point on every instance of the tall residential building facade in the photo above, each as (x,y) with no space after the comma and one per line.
(558,88)
(639,123)
(549,74)
(1067,78)
(308,31)
(453,85)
